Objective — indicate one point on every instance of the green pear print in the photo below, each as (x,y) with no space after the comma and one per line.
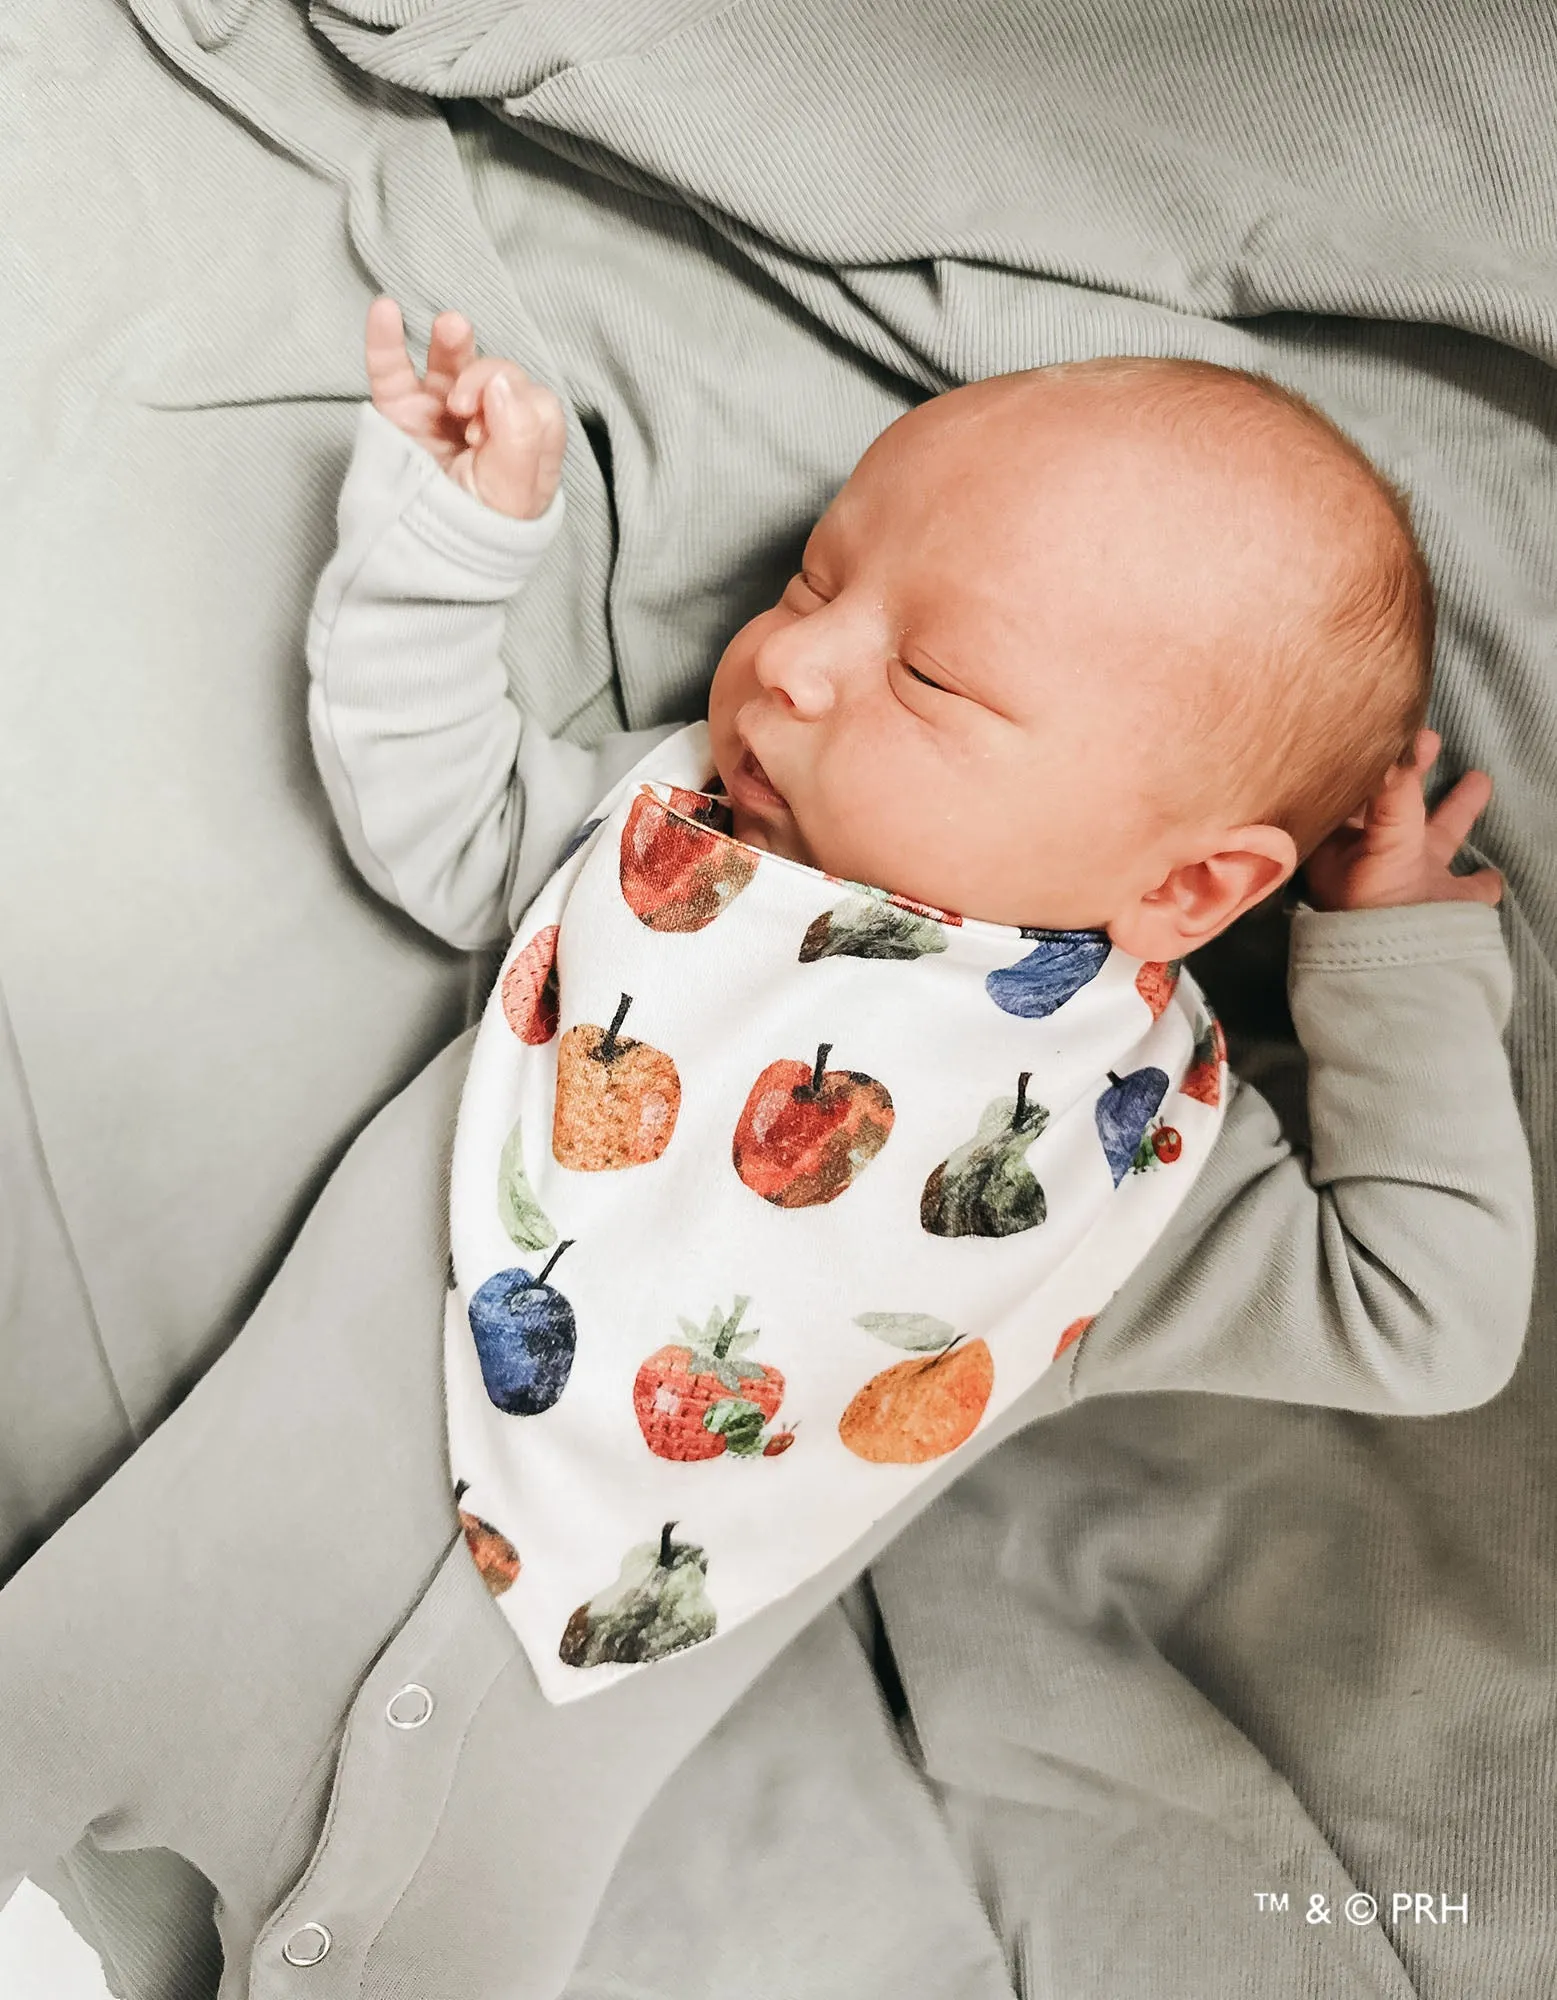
(867,927)
(521,1215)
(657,1605)
(985,1188)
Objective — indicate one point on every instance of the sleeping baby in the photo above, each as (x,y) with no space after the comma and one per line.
(843,1064)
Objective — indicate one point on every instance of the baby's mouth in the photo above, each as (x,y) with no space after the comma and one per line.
(753,786)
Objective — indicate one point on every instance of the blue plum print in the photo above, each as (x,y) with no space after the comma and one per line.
(525,1338)
(580,836)
(1052,973)
(1124,1111)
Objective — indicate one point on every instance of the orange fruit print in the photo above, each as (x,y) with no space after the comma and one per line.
(1073,1333)
(616,1099)
(920,1409)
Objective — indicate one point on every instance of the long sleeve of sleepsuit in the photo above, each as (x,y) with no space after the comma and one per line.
(449,802)
(1391,1269)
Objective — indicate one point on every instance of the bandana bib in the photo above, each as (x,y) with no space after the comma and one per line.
(769,1191)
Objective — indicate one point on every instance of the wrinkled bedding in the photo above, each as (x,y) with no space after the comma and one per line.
(1210,1643)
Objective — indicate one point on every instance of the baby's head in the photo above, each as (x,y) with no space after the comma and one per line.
(1106,645)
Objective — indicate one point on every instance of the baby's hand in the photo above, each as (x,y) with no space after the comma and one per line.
(490,427)
(1393,852)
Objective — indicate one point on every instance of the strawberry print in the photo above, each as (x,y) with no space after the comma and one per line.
(710,1396)
(1203,1079)
(530,989)
(1155,982)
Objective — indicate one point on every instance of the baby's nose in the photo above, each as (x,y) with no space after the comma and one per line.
(792,663)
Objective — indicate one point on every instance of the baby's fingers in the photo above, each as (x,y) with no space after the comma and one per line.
(1397,809)
(390,373)
(451,349)
(1457,812)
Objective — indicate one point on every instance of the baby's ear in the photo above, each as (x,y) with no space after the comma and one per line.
(1197,900)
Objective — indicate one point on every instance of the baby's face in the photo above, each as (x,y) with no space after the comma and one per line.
(964,695)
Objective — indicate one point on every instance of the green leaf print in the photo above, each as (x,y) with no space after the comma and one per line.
(918,1332)
(517,1209)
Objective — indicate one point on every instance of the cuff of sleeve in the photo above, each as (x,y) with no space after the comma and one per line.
(455,522)
(1407,934)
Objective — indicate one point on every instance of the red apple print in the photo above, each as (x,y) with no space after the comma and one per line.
(530,989)
(1203,1079)
(708,1396)
(677,875)
(806,1132)
(1167,1144)
(1073,1333)
(1155,983)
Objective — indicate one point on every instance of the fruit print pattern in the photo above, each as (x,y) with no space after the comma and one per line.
(923,1408)
(711,1395)
(679,872)
(1124,1114)
(807,1132)
(657,1605)
(527,1224)
(1203,1079)
(868,927)
(1155,982)
(616,1101)
(691,1114)
(494,1555)
(1053,972)
(986,1188)
(529,989)
(525,1337)
(1073,1333)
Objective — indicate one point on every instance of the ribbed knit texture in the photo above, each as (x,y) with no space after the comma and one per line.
(1174,1649)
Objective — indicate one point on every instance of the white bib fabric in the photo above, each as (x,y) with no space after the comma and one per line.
(769,1191)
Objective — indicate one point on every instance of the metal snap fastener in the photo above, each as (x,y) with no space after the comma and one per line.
(307,1945)
(410,1708)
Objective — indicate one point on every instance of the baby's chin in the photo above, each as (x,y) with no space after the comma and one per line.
(775,834)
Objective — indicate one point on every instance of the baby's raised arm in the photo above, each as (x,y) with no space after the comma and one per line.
(1390,1270)
(450,803)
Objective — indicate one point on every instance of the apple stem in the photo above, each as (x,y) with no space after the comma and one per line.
(1021,1099)
(461,1490)
(607,1050)
(942,1353)
(665,1560)
(565,1244)
(814,1087)
(1114,1080)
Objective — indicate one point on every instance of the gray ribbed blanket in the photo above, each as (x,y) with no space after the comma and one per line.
(1215,1643)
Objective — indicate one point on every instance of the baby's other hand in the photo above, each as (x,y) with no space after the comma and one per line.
(1395,852)
(493,430)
